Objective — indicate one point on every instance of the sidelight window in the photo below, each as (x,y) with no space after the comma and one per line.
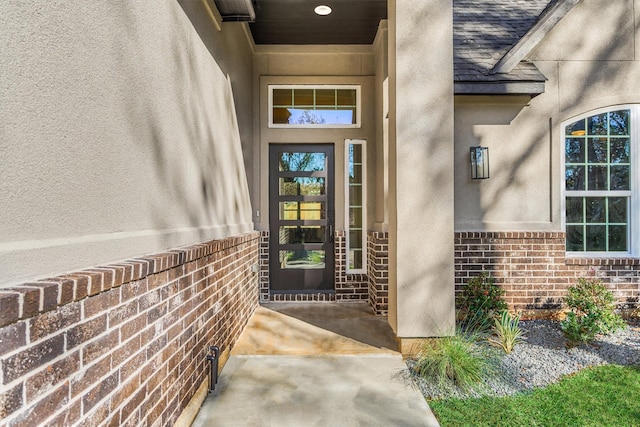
(355,202)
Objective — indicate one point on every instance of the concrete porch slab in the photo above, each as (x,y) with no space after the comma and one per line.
(314,365)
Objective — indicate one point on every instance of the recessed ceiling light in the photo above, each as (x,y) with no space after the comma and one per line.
(322,10)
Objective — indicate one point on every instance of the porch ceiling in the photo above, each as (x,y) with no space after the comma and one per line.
(294,21)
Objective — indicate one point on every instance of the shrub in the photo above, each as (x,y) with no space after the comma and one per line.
(592,312)
(507,332)
(482,300)
(451,359)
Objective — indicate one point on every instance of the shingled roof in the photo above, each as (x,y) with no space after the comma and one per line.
(484,31)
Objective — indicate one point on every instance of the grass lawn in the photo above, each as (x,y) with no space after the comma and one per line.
(606,395)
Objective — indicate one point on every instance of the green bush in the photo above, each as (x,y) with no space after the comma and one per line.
(451,360)
(592,312)
(507,332)
(481,301)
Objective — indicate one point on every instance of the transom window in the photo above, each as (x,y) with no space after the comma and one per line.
(305,106)
(600,189)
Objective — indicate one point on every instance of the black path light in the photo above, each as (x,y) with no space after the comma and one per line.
(479,162)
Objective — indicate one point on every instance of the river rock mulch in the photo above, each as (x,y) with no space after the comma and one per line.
(542,359)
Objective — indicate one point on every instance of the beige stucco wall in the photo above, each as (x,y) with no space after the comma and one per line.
(421,300)
(118,135)
(353,65)
(586,70)
(381,166)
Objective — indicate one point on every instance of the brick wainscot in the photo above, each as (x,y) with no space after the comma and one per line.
(534,271)
(123,344)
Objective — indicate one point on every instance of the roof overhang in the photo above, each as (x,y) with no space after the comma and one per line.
(530,88)
(236,10)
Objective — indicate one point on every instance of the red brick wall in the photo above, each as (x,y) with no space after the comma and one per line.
(123,344)
(534,271)
(378,266)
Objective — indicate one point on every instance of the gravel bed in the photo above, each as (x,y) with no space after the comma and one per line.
(543,358)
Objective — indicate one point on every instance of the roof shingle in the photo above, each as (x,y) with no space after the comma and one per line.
(485,30)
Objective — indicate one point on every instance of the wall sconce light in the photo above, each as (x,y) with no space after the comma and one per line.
(479,162)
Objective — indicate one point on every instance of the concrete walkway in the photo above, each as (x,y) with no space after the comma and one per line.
(322,364)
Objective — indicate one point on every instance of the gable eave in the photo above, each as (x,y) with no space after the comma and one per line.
(548,19)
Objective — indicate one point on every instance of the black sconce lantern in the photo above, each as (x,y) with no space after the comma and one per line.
(479,162)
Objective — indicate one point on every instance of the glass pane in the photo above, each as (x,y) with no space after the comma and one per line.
(346,97)
(618,210)
(355,174)
(347,115)
(288,187)
(596,209)
(303,97)
(576,128)
(325,97)
(575,238)
(620,148)
(306,162)
(597,178)
(282,97)
(321,117)
(289,211)
(597,125)
(355,217)
(301,116)
(355,259)
(596,237)
(355,239)
(355,153)
(310,211)
(281,116)
(300,235)
(355,195)
(618,238)
(575,210)
(574,150)
(311,186)
(302,259)
(302,186)
(620,178)
(597,149)
(619,122)
(574,176)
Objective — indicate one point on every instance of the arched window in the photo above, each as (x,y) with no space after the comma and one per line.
(601,211)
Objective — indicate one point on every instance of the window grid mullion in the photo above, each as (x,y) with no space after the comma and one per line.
(592,144)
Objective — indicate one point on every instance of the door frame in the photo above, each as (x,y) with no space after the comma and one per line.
(301,280)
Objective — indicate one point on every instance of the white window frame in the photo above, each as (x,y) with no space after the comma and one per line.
(363,143)
(633,232)
(357,124)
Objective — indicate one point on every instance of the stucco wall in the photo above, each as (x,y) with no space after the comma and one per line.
(591,61)
(421,268)
(118,135)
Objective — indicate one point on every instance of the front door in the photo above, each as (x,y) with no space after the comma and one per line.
(301,218)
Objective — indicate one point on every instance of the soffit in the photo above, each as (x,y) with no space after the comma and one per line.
(293,22)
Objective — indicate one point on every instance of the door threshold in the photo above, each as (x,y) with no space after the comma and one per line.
(308,296)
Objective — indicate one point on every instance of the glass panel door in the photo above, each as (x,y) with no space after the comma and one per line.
(301,218)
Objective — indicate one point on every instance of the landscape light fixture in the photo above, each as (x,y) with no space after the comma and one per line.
(322,10)
(479,162)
